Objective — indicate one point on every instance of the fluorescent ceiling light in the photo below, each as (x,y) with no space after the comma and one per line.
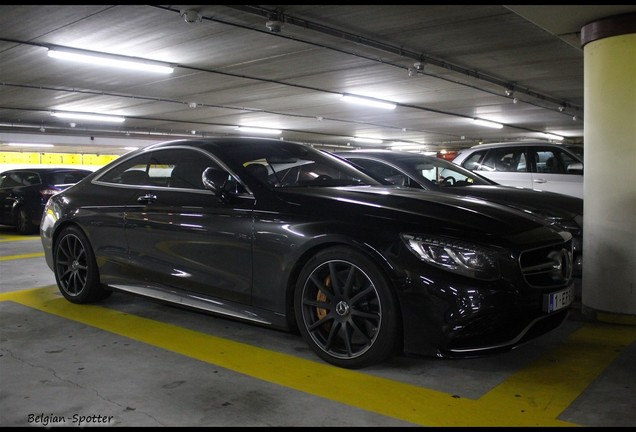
(249,129)
(488,123)
(85,116)
(406,146)
(368,140)
(29,145)
(368,102)
(553,136)
(110,61)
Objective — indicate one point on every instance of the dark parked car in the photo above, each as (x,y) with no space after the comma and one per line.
(431,173)
(25,191)
(283,235)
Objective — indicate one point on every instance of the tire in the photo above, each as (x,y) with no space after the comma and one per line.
(23,223)
(75,267)
(352,323)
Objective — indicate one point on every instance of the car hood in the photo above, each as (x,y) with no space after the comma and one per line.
(433,212)
(538,202)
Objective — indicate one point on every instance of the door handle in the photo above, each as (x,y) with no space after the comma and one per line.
(147,199)
(540,180)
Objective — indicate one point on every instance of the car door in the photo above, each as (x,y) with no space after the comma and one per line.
(18,192)
(8,181)
(182,236)
(552,170)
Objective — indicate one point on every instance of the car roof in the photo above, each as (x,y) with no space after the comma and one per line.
(517,144)
(387,154)
(46,170)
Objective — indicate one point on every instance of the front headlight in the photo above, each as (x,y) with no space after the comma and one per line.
(455,256)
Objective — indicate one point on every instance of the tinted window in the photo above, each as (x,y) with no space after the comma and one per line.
(180,168)
(20,178)
(382,170)
(67,177)
(553,161)
(505,160)
(473,162)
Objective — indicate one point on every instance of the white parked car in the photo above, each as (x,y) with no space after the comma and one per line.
(535,165)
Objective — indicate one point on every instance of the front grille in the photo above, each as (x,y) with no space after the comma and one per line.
(547,266)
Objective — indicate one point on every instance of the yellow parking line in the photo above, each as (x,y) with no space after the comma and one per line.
(554,380)
(534,396)
(10,238)
(21,256)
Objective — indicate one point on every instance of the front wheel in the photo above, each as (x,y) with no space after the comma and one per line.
(75,267)
(345,309)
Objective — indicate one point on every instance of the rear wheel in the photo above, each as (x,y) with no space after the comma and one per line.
(346,310)
(75,267)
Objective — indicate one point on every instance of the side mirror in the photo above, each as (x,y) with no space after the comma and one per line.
(215,180)
(575,168)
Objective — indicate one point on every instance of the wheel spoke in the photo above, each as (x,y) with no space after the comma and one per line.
(316,303)
(349,282)
(332,337)
(361,295)
(321,285)
(368,316)
(333,275)
(357,331)
(320,324)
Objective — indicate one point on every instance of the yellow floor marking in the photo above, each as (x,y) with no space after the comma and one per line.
(532,397)
(21,256)
(556,379)
(9,238)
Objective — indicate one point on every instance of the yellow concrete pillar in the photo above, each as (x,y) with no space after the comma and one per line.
(609,240)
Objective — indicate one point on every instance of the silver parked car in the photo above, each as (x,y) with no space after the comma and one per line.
(535,165)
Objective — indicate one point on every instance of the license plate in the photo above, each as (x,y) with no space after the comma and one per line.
(558,300)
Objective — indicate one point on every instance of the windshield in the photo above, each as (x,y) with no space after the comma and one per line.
(442,173)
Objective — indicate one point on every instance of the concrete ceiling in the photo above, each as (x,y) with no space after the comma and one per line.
(231,69)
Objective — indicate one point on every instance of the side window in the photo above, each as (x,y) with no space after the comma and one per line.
(131,172)
(30,178)
(473,162)
(5,180)
(184,168)
(13,179)
(553,161)
(568,161)
(19,178)
(506,160)
(549,161)
(176,168)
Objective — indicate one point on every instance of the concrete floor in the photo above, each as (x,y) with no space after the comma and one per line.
(133,362)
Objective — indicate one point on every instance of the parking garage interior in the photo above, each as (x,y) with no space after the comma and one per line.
(552,73)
